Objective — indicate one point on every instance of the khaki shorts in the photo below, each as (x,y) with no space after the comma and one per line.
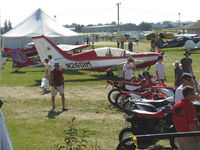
(188,143)
(59,89)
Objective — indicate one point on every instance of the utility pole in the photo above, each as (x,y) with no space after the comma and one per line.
(55,18)
(118,16)
(179,21)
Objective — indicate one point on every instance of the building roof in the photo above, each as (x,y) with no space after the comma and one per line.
(195,25)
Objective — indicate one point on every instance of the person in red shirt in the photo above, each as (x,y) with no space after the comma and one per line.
(185,119)
(57,85)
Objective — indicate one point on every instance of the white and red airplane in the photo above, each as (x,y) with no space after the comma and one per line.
(99,59)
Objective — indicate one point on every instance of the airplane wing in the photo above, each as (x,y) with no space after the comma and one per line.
(68,48)
(120,66)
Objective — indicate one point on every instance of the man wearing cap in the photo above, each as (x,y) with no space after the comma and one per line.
(57,85)
(128,69)
(186,63)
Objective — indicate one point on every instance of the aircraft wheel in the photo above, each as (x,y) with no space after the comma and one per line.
(109,74)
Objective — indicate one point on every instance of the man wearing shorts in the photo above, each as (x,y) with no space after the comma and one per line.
(57,85)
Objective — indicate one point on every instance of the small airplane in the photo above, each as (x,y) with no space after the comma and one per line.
(178,42)
(20,59)
(190,45)
(100,59)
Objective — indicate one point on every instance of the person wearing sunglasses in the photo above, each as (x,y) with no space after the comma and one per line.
(187,80)
(185,119)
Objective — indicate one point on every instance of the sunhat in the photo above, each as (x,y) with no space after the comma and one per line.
(176,63)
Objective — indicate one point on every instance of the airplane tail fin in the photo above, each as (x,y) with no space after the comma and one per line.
(46,47)
(19,59)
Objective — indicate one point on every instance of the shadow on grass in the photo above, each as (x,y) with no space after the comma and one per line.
(73,72)
(38,83)
(18,72)
(53,114)
(97,78)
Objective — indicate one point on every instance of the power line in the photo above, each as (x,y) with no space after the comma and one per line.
(84,12)
(158,13)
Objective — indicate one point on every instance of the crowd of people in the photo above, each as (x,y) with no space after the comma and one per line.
(187,90)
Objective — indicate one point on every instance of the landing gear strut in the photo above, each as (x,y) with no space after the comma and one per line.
(109,74)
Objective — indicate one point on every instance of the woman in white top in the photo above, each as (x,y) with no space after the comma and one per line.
(128,69)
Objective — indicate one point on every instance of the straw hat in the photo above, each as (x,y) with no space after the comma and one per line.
(176,63)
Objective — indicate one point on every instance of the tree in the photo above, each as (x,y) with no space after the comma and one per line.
(5,29)
(144,26)
(78,28)
(113,23)
(7,26)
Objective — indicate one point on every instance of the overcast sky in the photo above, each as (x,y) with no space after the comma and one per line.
(101,11)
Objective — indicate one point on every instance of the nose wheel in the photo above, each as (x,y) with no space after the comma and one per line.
(109,74)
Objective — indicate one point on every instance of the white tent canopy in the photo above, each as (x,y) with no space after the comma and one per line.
(38,24)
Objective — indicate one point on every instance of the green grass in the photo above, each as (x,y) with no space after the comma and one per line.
(31,124)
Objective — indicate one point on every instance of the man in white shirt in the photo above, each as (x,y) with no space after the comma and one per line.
(51,62)
(160,70)
(128,69)
(187,80)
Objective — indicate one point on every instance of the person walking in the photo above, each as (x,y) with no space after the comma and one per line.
(153,46)
(51,61)
(177,74)
(57,85)
(130,46)
(186,63)
(122,40)
(128,68)
(185,119)
(118,43)
(160,69)
(46,81)
(93,42)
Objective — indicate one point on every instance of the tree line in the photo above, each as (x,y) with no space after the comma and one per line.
(7,26)
(143,26)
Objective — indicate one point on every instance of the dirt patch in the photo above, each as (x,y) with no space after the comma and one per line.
(71,92)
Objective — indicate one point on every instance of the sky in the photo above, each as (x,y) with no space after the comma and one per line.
(101,11)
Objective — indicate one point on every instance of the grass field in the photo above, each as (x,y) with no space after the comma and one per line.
(31,124)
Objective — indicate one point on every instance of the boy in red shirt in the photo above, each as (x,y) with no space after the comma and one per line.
(185,119)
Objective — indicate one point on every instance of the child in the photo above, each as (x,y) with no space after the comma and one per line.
(177,74)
